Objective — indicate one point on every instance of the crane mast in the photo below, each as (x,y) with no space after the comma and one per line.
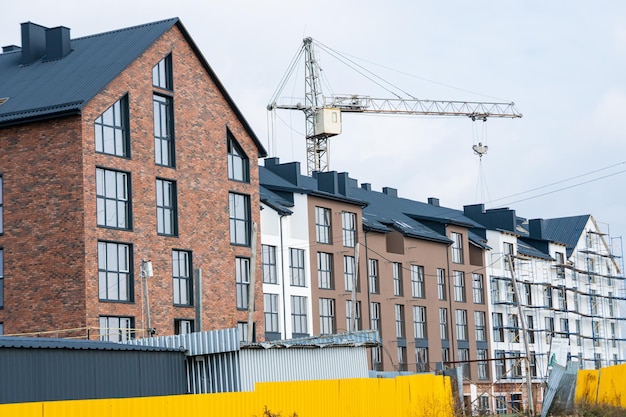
(323,113)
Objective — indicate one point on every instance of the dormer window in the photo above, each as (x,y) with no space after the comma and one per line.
(238,164)
(162,74)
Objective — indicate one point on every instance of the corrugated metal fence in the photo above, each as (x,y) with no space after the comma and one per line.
(603,386)
(415,396)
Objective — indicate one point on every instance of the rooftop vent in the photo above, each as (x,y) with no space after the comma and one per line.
(433,201)
(390,191)
(10,48)
(38,41)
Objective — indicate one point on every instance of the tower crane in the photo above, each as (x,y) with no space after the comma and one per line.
(323,113)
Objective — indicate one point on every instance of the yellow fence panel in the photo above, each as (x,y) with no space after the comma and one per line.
(604,386)
(406,396)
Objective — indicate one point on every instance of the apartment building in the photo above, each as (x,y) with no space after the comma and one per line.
(561,282)
(128,187)
(372,260)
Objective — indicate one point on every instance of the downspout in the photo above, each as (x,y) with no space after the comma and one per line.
(282,276)
(450,327)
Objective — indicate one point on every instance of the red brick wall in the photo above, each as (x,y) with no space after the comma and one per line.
(43,226)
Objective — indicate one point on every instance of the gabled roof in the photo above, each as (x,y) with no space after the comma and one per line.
(567,230)
(53,88)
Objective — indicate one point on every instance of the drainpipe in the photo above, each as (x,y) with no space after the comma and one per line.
(282,277)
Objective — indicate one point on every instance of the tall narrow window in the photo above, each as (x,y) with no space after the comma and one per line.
(348,229)
(530,326)
(513,328)
(478,288)
(299,316)
(417,281)
(240,219)
(268,260)
(182,277)
(373,276)
(113,198)
(114,277)
(296,267)
(500,362)
(459,286)
(323,225)
(238,163)
(441,284)
(457,247)
(443,323)
(117,329)
(498,327)
(1,279)
(1,208)
(353,315)
(481,326)
(419,322)
(111,130)
(325,271)
(242,281)
(421,359)
(399,309)
(396,269)
(461,324)
(167,216)
(508,254)
(464,359)
(163,131)
(375,316)
(162,73)
(349,273)
(270,312)
(560,264)
(483,368)
(327,316)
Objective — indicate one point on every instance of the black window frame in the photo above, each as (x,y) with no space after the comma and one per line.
(164,138)
(240,221)
(182,281)
(323,225)
(268,264)
(325,273)
(236,154)
(115,120)
(163,74)
(242,282)
(130,330)
(103,200)
(163,208)
(105,272)
(270,313)
(328,317)
(178,326)
(297,267)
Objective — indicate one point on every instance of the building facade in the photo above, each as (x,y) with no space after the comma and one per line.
(129,187)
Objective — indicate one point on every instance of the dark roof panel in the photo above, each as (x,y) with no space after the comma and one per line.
(567,230)
(54,343)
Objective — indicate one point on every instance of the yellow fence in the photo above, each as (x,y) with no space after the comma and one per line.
(604,386)
(404,396)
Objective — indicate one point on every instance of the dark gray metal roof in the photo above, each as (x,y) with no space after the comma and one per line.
(567,230)
(54,343)
(525,249)
(53,88)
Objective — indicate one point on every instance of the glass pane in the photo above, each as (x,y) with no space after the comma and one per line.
(107,117)
(112,287)
(102,285)
(123,287)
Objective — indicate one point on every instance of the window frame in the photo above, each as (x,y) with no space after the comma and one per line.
(183,326)
(442,294)
(418,284)
(325,275)
(374,279)
(242,282)
(299,315)
(461,324)
(478,288)
(297,267)
(268,264)
(106,125)
(480,322)
(240,218)
(122,203)
(457,247)
(359,325)
(164,207)
(420,322)
(163,73)
(396,271)
(443,324)
(349,274)
(238,162)
(328,319)
(460,294)
(124,333)
(400,324)
(164,138)
(323,225)
(181,282)
(348,229)
(270,313)
(105,272)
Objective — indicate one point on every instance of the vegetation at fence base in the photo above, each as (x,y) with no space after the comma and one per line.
(598,410)
(268,413)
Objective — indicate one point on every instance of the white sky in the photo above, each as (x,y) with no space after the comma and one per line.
(563,63)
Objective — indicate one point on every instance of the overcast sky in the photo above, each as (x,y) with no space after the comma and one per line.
(561,62)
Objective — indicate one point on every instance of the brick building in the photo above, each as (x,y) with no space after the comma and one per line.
(120,151)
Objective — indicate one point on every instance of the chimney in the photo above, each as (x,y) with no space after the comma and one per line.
(57,43)
(535,228)
(328,182)
(366,186)
(392,192)
(33,42)
(433,201)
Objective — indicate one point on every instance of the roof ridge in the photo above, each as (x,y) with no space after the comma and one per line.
(158,22)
